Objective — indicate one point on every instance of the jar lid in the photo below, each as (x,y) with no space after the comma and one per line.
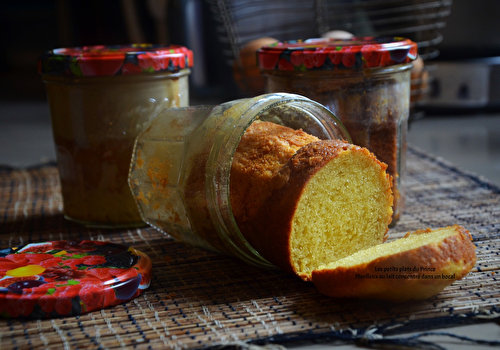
(68,278)
(114,60)
(329,54)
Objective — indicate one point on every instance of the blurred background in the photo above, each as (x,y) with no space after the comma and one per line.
(455,88)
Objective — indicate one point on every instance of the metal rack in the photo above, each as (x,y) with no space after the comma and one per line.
(240,21)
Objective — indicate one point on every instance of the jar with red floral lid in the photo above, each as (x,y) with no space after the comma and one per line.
(365,81)
(100,98)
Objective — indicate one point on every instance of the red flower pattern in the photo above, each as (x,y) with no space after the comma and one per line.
(98,66)
(297,58)
(372,55)
(349,57)
(270,61)
(130,68)
(92,297)
(72,275)
(94,260)
(284,65)
(313,54)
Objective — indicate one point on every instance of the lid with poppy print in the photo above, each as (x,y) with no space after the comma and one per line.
(114,60)
(69,278)
(331,54)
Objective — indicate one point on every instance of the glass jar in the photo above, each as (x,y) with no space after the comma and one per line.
(364,81)
(100,98)
(181,165)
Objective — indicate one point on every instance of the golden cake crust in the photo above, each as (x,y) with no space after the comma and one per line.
(450,259)
(263,150)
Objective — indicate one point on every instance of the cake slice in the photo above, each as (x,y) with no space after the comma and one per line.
(328,201)
(415,267)
(321,209)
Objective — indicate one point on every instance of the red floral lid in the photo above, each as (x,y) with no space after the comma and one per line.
(115,60)
(330,54)
(68,278)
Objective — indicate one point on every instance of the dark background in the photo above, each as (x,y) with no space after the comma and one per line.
(30,27)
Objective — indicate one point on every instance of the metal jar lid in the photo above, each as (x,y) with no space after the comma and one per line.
(68,278)
(114,60)
(330,54)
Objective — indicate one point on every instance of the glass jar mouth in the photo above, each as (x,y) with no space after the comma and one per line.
(291,110)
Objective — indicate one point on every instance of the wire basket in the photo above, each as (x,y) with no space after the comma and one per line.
(241,21)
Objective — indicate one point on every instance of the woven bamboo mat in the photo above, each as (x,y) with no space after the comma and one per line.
(199,299)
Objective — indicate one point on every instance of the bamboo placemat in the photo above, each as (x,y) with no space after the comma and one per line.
(199,299)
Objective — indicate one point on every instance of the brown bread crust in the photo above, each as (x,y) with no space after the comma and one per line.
(453,256)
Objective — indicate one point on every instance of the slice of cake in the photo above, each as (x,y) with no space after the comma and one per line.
(321,210)
(415,267)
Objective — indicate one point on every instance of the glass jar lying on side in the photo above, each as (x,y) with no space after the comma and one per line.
(182,161)
(100,98)
(364,81)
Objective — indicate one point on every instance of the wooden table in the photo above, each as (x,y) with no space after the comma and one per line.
(199,298)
